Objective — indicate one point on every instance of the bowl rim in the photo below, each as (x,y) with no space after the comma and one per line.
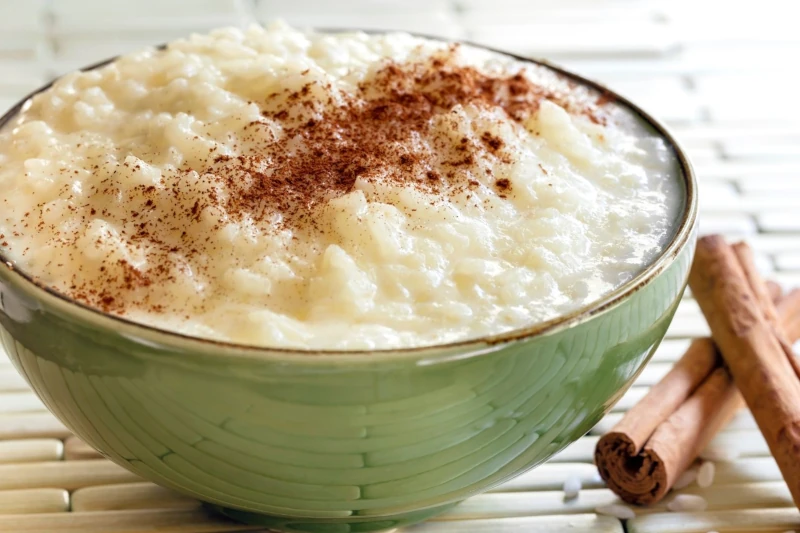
(683,232)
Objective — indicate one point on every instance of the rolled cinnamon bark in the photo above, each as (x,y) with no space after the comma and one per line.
(775,290)
(752,350)
(744,254)
(665,397)
(643,473)
(790,309)
(644,454)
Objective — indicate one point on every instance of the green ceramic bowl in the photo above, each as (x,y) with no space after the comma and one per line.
(340,441)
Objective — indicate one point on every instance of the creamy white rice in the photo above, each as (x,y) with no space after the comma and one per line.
(348,191)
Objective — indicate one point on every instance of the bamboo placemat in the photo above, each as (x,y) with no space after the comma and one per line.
(723,83)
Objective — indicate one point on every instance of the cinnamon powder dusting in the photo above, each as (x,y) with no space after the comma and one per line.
(372,136)
(327,142)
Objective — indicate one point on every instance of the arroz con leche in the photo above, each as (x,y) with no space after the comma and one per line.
(331,191)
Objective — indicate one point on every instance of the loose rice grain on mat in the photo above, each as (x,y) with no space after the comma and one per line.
(572,487)
(685,479)
(687,503)
(616,510)
(705,476)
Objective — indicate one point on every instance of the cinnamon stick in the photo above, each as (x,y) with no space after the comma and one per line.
(644,454)
(744,255)
(774,289)
(751,348)
(641,463)
(790,309)
(666,396)
(761,291)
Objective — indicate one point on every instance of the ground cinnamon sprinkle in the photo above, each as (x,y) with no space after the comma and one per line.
(327,141)
(369,137)
(503,184)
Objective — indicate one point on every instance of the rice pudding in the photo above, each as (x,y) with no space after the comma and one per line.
(331,191)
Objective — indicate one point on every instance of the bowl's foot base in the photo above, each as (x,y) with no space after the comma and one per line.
(354,524)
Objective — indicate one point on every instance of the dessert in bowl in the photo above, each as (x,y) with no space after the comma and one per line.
(335,280)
